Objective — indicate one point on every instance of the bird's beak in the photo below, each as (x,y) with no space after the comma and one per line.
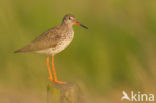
(77,23)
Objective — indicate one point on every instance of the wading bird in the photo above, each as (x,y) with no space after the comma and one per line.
(52,42)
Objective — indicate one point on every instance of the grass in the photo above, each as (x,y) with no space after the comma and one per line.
(119,44)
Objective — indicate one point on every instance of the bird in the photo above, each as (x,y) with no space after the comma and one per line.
(52,42)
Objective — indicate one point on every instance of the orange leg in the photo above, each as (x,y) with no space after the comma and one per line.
(54,72)
(49,70)
(53,67)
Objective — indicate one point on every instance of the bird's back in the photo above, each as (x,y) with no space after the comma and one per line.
(49,39)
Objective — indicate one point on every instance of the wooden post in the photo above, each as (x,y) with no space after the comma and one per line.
(63,93)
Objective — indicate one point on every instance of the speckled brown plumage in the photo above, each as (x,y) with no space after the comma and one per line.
(53,38)
(53,41)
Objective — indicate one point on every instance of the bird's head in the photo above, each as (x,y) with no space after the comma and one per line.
(70,20)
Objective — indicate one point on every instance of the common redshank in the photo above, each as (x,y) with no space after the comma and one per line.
(52,42)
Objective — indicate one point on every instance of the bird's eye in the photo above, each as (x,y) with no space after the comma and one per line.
(70,18)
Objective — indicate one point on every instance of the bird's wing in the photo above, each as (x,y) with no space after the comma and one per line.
(46,40)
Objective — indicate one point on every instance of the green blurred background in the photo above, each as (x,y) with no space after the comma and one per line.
(117,52)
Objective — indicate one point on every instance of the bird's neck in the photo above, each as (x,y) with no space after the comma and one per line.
(68,26)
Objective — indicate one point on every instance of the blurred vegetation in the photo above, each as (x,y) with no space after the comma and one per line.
(118,50)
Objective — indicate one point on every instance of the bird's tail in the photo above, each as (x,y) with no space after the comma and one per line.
(17,51)
(21,51)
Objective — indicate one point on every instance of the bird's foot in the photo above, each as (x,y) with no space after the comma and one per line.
(59,82)
(56,81)
(50,79)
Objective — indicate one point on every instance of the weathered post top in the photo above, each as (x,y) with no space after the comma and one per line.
(63,93)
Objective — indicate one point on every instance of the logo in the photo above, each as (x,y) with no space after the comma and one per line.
(140,97)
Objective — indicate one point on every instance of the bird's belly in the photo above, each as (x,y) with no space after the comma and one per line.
(52,51)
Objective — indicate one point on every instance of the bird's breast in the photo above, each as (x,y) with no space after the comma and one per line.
(61,45)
